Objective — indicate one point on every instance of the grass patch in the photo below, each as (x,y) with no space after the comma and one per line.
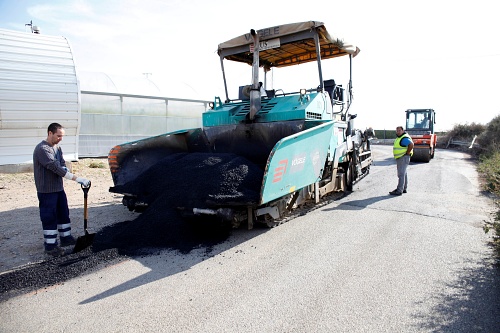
(489,168)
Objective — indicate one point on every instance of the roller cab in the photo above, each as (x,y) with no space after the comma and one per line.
(420,127)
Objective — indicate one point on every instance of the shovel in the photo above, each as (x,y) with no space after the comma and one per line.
(84,241)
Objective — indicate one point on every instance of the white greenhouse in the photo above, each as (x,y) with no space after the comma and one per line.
(119,109)
(38,85)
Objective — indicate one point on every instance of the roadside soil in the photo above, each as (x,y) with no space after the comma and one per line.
(21,237)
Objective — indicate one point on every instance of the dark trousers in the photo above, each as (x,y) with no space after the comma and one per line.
(54,213)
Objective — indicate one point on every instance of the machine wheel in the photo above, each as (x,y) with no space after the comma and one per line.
(349,176)
(351,171)
(129,202)
(421,155)
(427,156)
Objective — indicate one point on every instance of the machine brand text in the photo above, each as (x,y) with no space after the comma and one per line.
(265,33)
(299,160)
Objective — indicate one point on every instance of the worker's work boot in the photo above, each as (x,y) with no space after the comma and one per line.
(55,251)
(68,240)
(395,192)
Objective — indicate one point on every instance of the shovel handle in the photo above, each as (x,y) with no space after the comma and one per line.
(85,215)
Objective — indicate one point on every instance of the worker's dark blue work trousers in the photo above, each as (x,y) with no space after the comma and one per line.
(54,213)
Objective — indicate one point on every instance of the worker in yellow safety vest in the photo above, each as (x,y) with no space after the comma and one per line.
(403,150)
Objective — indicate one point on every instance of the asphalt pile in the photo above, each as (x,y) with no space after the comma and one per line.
(179,183)
(196,180)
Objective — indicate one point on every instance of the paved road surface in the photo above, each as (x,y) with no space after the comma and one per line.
(369,262)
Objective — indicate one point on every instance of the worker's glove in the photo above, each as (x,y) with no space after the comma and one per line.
(83,181)
(69,175)
(65,169)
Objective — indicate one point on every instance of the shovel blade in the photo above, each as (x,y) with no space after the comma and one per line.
(83,242)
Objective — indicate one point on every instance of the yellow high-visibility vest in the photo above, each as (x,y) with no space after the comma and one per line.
(398,150)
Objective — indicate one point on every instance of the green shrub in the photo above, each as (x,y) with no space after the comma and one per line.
(489,138)
(467,131)
(385,134)
(97,165)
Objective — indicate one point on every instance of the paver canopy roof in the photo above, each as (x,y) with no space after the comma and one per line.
(286,45)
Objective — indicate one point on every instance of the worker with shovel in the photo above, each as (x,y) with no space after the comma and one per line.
(49,169)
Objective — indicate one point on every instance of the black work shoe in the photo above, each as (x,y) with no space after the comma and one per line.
(404,191)
(68,240)
(55,252)
(395,192)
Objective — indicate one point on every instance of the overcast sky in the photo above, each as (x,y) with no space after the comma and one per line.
(435,54)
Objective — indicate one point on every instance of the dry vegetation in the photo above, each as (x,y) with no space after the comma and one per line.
(487,151)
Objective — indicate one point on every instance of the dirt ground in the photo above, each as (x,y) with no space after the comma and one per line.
(21,237)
